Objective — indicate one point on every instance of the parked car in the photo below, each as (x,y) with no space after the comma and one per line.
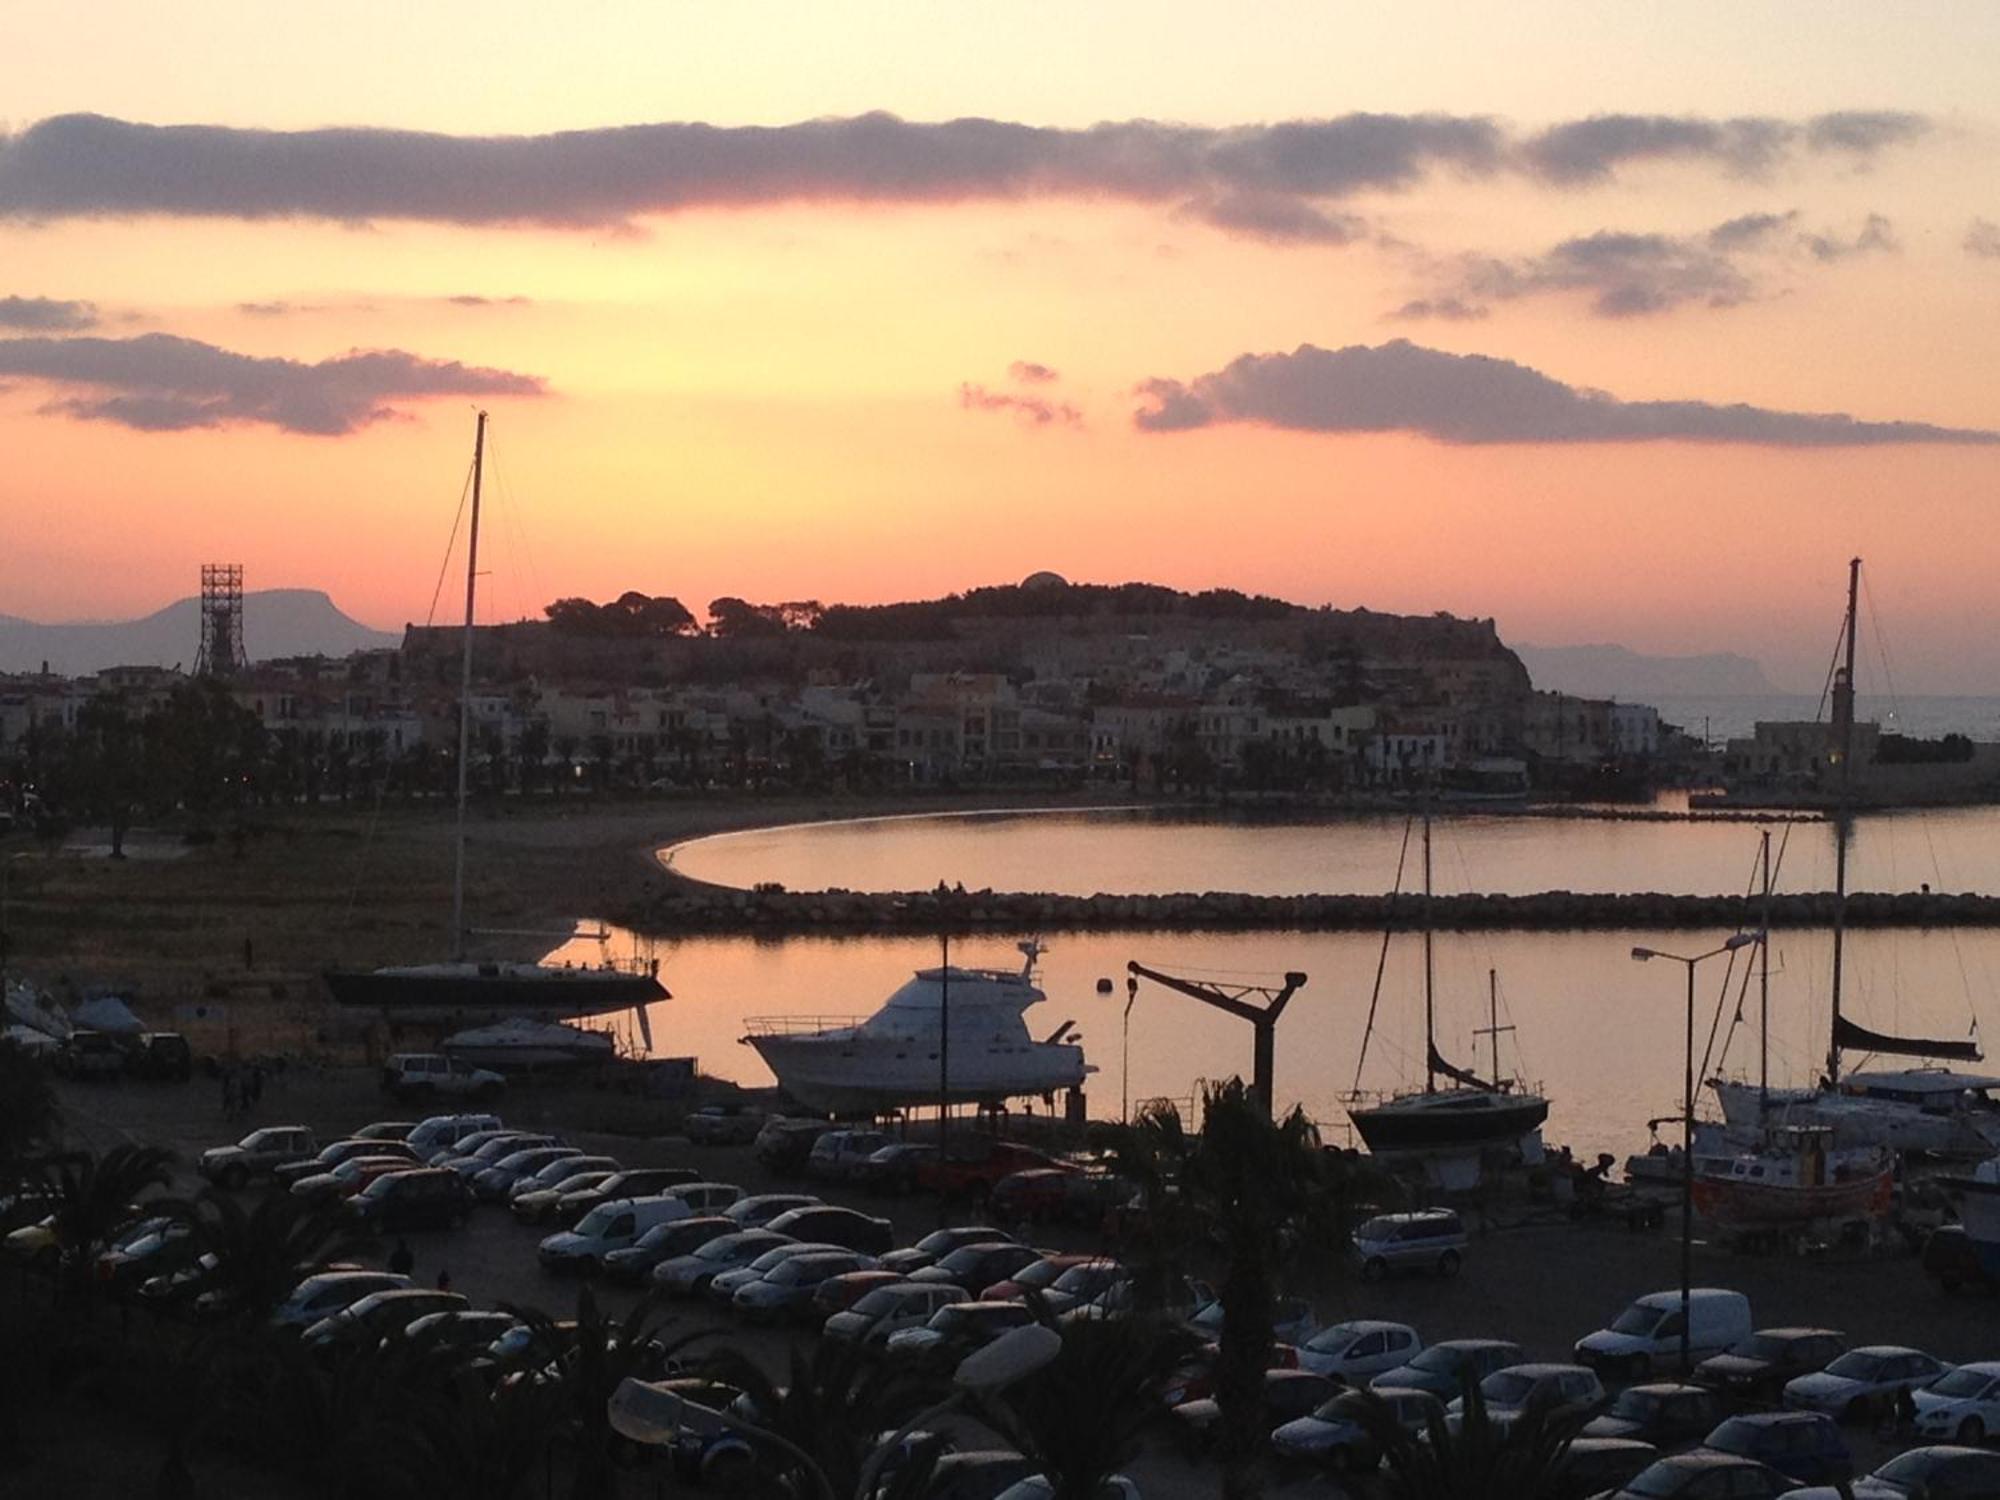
(460,1328)
(887,1310)
(1863,1383)
(1757,1368)
(543,1205)
(1647,1335)
(1441,1369)
(1663,1414)
(1951,1262)
(616,1225)
(1331,1435)
(1036,1277)
(419,1198)
(893,1169)
(1288,1395)
(1555,1390)
(1703,1475)
(147,1248)
(1038,1195)
(954,1331)
(724,1285)
(783,1145)
(1432,1240)
(425,1075)
(1292,1320)
(257,1155)
(834,1225)
(1804,1446)
(350,1177)
(444,1132)
(1963,1406)
(722,1125)
(784,1294)
(385,1130)
(1083,1282)
(689,1275)
(838,1155)
(941,1242)
(329,1157)
(976,1267)
(759,1209)
(555,1173)
(971,1165)
(1359,1348)
(478,1152)
(1935,1473)
(325,1294)
(161,1055)
(89,1054)
(633,1182)
(1597,1466)
(838,1293)
(663,1242)
(380,1314)
(496,1181)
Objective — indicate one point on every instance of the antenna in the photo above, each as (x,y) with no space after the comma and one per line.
(221,653)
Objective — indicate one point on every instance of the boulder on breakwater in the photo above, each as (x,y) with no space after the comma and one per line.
(672,905)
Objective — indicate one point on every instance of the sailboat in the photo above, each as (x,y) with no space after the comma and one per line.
(1468,1113)
(1930,1110)
(465,990)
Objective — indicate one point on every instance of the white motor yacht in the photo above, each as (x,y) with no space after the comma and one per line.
(957,1030)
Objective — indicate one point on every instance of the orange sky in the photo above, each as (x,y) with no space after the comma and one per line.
(765,399)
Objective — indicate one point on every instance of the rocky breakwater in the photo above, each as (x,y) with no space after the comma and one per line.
(672,905)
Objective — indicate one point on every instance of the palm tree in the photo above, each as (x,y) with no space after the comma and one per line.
(28,1114)
(261,1252)
(1257,1188)
(93,1198)
(1479,1460)
(351,1428)
(1082,1416)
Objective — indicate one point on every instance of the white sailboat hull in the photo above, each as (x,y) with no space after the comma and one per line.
(1857,1120)
(844,1074)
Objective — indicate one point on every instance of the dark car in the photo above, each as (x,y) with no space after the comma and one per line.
(90,1054)
(635,1182)
(1951,1262)
(1937,1473)
(976,1267)
(893,1169)
(722,1125)
(759,1209)
(1802,1445)
(1704,1475)
(161,1055)
(954,1331)
(379,1315)
(1039,1195)
(971,1166)
(1441,1369)
(1288,1395)
(1591,1466)
(939,1243)
(1661,1414)
(783,1145)
(1757,1368)
(332,1156)
(838,1293)
(662,1243)
(831,1225)
(421,1198)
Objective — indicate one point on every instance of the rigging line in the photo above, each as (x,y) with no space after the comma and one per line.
(1721,1002)
(1753,886)
(516,514)
(1382,956)
(444,565)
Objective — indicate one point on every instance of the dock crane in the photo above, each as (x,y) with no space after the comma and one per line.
(1236,1000)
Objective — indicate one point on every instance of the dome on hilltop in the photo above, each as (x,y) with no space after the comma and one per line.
(1045,580)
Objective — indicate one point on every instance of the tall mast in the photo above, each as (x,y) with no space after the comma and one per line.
(1843,727)
(1493,1019)
(1764,985)
(1430,1009)
(465,694)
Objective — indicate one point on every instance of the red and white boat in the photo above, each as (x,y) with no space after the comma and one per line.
(1796,1176)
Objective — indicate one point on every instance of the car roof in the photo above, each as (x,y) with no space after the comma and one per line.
(1982,1367)
(1798,1333)
(1537,1369)
(1473,1344)
(1669,1388)
(1886,1350)
(1367,1325)
(1781,1418)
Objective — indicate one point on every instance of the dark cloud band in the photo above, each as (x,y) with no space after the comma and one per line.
(46,314)
(160,383)
(1472,398)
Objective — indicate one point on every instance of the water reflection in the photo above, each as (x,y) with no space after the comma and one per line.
(1601,1034)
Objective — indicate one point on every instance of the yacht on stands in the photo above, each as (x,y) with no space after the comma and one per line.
(890,1060)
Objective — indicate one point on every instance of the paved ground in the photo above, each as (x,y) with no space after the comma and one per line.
(1544,1285)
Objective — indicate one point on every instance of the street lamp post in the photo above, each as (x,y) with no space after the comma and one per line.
(1740,940)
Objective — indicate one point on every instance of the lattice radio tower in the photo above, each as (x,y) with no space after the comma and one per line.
(221,621)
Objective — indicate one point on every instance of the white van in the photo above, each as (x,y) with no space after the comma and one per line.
(1647,1335)
(615,1225)
(442,1131)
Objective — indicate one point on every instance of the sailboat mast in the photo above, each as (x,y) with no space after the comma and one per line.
(465,694)
(1843,726)
(1764,985)
(1430,1008)
(1493,1019)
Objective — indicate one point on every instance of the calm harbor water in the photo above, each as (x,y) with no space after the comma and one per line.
(1601,1033)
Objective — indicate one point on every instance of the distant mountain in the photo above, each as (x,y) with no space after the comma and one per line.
(1618,672)
(276,622)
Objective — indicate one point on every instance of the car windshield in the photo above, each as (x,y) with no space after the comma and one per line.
(1734,1436)
(1439,1360)
(260,1138)
(580,1181)
(882,1300)
(1375,1229)
(1040,1274)
(1505,1388)
(1658,1479)
(727,1248)
(1907,1471)
(600,1218)
(1209,1319)
(790,1272)
(1857,1366)
(774,1257)
(1961,1383)
(1331,1410)
(1638,1320)
(1333,1340)
(1636,1406)
(1760,1346)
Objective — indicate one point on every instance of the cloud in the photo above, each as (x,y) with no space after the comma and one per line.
(469,299)
(1028,372)
(1268,181)
(1877,234)
(1474,398)
(1750,231)
(46,314)
(1447,309)
(278,309)
(162,383)
(1982,238)
(1033,411)
(1585,151)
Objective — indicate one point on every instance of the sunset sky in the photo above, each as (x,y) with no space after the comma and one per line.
(1616,323)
